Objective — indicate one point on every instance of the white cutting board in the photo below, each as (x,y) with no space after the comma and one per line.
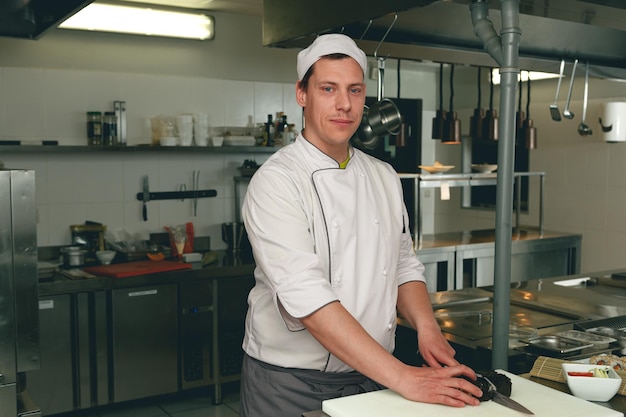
(541,400)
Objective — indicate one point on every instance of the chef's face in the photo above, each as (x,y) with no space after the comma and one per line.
(333,103)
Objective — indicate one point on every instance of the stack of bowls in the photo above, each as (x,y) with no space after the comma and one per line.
(201,129)
(184,124)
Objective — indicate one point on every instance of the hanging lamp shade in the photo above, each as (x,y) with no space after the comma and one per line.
(440,116)
(530,131)
(452,128)
(476,121)
(490,122)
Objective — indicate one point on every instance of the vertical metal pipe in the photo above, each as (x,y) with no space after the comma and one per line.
(505,51)
(509,71)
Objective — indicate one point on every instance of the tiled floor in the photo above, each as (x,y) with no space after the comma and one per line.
(193,403)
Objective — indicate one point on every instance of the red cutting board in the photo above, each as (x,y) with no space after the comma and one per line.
(132,269)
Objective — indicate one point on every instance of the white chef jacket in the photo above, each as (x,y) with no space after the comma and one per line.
(320,234)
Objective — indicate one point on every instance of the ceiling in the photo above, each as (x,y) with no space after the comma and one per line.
(441,30)
(247,7)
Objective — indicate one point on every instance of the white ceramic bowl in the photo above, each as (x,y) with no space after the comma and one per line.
(484,168)
(591,388)
(169,140)
(105,256)
(217,140)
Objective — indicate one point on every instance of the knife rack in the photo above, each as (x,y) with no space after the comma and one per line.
(177,195)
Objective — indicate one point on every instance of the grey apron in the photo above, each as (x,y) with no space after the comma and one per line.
(272,391)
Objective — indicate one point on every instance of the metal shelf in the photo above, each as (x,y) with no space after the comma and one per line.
(466,180)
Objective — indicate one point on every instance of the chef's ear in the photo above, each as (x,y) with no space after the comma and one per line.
(300,94)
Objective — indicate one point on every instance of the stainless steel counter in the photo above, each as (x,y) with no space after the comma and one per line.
(226,267)
(544,304)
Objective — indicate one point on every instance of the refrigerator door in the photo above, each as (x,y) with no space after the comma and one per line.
(19,309)
(24,242)
(8,366)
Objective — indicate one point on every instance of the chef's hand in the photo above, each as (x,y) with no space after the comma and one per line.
(439,385)
(435,349)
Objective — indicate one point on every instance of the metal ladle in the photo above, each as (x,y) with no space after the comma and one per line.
(566,112)
(583,129)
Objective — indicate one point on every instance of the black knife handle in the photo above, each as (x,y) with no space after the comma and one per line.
(145,212)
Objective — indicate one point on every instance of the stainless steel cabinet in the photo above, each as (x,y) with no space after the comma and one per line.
(52,386)
(530,259)
(144,342)
(74,364)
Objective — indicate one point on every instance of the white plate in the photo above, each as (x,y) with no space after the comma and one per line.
(434,169)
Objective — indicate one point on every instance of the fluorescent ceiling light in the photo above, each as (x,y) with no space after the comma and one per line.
(142,21)
(534,75)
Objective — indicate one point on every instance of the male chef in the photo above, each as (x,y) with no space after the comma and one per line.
(335,262)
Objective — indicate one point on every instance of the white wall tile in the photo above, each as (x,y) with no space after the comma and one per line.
(23,95)
(238,102)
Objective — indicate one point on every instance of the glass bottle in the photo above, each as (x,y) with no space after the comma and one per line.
(109,129)
(94,128)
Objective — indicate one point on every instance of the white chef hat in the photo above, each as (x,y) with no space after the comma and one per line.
(326,45)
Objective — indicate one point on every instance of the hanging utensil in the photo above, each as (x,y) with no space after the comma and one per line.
(383,117)
(476,121)
(566,112)
(490,122)
(583,128)
(554,108)
(440,117)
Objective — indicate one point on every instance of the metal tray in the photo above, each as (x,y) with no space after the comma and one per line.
(558,344)
(599,341)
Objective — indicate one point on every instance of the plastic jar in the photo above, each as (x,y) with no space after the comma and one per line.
(94,128)
(109,129)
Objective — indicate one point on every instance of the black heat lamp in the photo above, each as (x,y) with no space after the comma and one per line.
(490,122)
(476,121)
(439,120)
(452,128)
(530,131)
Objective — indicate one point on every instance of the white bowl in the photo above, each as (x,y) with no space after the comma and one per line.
(217,140)
(436,169)
(169,141)
(105,256)
(591,388)
(484,168)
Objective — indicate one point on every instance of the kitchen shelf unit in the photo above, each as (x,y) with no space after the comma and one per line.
(139,148)
(421,181)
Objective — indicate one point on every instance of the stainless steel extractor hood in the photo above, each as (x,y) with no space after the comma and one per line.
(30,19)
(442,31)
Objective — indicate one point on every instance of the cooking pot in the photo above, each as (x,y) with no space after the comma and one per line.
(384,118)
(73,255)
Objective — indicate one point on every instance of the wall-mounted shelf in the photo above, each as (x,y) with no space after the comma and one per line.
(129,149)
(466,180)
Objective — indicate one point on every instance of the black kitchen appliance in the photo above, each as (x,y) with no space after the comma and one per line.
(19,309)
